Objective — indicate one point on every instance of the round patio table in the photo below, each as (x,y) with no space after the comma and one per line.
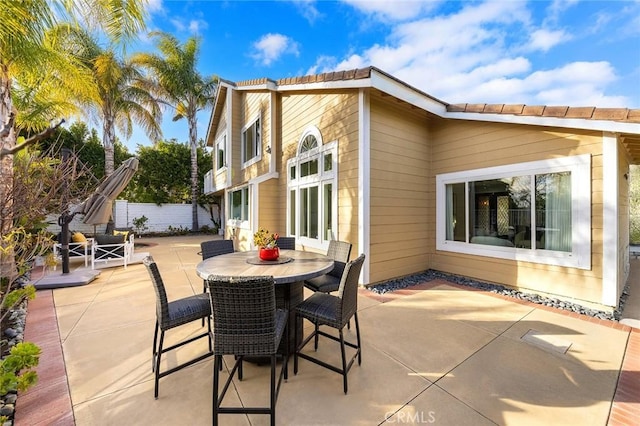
(289,273)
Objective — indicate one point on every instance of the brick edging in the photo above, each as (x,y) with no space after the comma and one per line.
(49,401)
(625,409)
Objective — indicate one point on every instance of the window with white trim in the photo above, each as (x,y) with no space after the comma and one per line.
(251,143)
(312,190)
(239,205)
(537,212)
(221,147)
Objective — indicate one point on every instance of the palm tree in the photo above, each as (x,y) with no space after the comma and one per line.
(180,86)
(26,55)
(122,92)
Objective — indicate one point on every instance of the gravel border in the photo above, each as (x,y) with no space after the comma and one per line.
(430,275)
(13,334)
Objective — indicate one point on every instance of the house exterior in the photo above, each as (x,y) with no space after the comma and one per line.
(532,197)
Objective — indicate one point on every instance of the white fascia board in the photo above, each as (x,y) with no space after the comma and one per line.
(263,178)
(323,85)
(570,123)
(229,88)
(407,94)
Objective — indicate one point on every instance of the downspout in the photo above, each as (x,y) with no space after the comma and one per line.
(364,180)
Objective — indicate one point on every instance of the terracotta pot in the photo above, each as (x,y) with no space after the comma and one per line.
(269,253)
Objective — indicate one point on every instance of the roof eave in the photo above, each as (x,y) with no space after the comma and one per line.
(570,123)
(223,85)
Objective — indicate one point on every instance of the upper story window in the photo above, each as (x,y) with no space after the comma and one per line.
(221,147)
(533,212)
(312,199)
(252,142)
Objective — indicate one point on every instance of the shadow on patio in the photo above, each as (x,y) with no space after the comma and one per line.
(438,354)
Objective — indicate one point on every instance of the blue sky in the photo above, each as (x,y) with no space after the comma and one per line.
(569,52)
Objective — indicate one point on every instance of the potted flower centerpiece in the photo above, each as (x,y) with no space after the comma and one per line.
(267,244)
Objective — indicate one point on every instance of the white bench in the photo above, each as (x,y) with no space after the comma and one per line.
(109,253)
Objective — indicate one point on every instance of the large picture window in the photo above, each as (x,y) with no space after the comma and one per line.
(251,143)
(530,211)
(312,195)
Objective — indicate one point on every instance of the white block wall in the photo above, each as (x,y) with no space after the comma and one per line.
(159,217)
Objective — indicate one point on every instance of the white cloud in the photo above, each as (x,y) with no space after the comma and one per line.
(194,26)
(308,10)
(271,47)
(155,7)
(478,55)
(393,10)
(545,39)
(197,25)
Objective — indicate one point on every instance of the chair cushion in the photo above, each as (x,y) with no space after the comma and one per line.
(105,239)
(324,283)
(188,309)
(323,309)
(125,234)
(78,237)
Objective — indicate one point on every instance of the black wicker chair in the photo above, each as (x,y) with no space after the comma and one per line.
(214,248)
(339,251)
(246,323)
(333,311)
(173,314)
(286,243)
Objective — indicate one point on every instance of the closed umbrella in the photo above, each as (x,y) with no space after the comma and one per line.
(98,207)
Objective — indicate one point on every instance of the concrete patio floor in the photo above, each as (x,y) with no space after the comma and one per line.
(436,353)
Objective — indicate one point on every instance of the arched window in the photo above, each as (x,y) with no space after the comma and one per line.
(312,190)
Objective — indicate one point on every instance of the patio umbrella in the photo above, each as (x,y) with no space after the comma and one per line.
(97,209)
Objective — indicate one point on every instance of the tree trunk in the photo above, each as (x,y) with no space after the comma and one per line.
(193,141)
(7,141)
(108,140)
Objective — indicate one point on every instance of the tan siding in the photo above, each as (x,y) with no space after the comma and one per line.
(269,201)
(467,145)
(336,116)
(256,104)
(238,122)
(399,190)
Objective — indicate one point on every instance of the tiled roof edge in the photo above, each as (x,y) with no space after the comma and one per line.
(585,113)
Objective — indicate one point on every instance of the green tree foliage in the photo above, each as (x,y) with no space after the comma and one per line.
(86,145)
(163,174)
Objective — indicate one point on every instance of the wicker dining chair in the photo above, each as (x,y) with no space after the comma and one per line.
(171,315)
(214,248)
(286,243)
(335,311)
(339,251)
(246,323)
